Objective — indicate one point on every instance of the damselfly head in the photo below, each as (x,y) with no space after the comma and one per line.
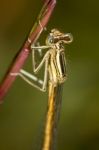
(67,38)
(56,36)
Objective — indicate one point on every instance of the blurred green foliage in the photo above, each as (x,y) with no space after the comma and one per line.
(23,112)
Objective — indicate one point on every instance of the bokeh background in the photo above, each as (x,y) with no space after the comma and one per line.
(22,114)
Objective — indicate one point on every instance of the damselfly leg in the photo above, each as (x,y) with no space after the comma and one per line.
(26,75)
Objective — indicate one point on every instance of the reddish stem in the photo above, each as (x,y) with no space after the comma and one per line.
(22,56)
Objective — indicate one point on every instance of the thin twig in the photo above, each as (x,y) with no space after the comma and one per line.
(52,117)
(23,54)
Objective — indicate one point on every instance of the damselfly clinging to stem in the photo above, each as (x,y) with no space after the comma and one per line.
(54,60)
(55,73)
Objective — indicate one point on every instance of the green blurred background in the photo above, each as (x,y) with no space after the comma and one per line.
(22,114)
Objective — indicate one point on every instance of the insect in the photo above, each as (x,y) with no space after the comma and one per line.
(54,61)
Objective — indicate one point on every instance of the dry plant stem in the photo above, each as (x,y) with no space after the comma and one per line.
(22,55)
(52,117)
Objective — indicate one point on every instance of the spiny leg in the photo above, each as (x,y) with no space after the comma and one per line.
(25,75)
(36,69)
(33,47)
(40,47)
(44,82)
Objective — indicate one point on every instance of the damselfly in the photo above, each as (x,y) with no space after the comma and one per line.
(55,68)
(54,60)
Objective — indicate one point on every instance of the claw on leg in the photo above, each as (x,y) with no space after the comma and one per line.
(42,28)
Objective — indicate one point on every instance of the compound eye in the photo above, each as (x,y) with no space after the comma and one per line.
(51,39)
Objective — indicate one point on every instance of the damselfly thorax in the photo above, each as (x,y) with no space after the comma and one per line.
(57,66)
(57,60)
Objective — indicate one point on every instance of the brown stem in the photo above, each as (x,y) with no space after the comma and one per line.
(23,54)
